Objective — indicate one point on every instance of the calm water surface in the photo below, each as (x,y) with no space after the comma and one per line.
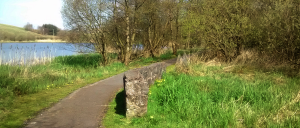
(22,52)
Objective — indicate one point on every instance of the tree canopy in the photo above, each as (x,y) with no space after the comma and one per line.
(28,27)
(225,26)
(50,29)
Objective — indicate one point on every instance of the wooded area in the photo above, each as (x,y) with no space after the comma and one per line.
(225,27)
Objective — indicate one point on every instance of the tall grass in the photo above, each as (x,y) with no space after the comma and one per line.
(198,94)
(20,81)
(30,79)
(26,56)
(46,80)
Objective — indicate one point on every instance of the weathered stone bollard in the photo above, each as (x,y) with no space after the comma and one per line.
(136,85)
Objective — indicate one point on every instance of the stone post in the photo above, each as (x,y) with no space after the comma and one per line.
(137,84)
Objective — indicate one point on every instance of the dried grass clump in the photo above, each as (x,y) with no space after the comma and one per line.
(207,55)
(185,63)
(282,114)
(248,61)
(267,62)
(212,63)
(247,56)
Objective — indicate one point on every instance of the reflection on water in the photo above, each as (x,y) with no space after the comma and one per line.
(33,53)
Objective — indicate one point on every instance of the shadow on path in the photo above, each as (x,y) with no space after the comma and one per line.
(121,103)
(121,96)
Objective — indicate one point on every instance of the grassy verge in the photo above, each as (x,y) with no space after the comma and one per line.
(216,96)
(24,91)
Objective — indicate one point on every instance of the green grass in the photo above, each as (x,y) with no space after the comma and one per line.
(24,91)
(12,33)
(167,55)
(215,98)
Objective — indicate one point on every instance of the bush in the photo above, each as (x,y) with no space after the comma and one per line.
(279,29)
(271,27)
(226,26)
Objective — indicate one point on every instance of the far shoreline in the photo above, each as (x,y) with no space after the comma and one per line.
(35,41)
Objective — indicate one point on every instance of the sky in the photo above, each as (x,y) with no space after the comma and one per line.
(36,12)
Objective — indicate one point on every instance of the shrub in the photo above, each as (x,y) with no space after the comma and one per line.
(226,26)
(271,27)
(279,28)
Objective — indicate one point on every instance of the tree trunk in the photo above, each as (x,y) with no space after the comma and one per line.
(126,56)
(146,53)
(105,58)
(127,45)
(177,31)
(104,54)
(189,39)
(127,48)
(174,47)
(172,40)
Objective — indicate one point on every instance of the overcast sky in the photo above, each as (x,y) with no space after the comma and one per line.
(36,12)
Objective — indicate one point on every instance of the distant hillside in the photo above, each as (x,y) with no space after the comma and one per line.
(13,33)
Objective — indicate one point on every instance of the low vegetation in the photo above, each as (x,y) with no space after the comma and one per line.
(10,33)
(25,90)
(195,93)
(247,75)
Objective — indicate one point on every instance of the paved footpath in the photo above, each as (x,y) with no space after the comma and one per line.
(83,108)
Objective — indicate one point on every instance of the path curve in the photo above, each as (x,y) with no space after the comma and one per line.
(84,108)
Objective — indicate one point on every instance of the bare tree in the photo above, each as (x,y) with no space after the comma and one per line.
(124,27)
(153,27)
(123,23)
(172,8)
(89,18)
(28,27)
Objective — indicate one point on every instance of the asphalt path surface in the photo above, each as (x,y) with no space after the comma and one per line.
(84,108)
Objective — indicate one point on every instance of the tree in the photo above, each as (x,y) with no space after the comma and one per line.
(88,18)
(50,29)
(172,9)
(40,30)
(223,25)
(125,16)
(63,35)
(28,27)
(153,26)
(124,23)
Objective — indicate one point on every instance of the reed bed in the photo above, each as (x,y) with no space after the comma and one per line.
(26,56)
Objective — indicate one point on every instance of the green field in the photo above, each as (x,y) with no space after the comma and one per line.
(10,33)
(203,95)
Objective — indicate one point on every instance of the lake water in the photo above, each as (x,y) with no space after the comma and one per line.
(26,53)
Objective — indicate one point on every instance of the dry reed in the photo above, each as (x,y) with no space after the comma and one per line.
(26,56)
